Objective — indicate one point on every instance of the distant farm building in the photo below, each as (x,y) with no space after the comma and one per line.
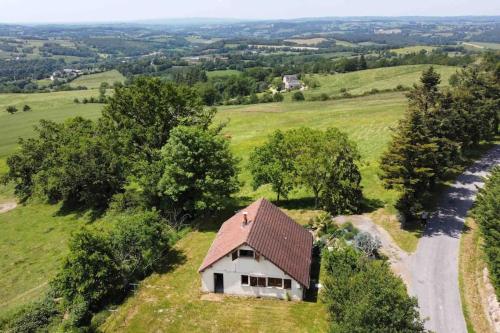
(67,73)
(291,82)
(260,252)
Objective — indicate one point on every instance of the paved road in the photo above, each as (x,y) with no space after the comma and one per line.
(434,266)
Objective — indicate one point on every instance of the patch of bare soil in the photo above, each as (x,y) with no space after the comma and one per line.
(492,306)
(7,206)
(212,297)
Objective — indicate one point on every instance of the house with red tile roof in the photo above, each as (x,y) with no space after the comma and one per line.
(260,251)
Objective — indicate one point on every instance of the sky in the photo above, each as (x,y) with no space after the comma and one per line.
(67,11)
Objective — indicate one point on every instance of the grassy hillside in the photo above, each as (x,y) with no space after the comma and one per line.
(223,73)
(93,81)
(33,243)
(367,121)
(413,49)
(55,106)
(380,78)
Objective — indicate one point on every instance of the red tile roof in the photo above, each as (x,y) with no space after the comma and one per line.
(271,233)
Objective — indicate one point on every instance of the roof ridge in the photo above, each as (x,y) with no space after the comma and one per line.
(259,206)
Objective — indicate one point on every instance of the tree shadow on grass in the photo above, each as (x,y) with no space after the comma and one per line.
(173,259)
(297,203)
(79,211)
(212,222)
(369,205)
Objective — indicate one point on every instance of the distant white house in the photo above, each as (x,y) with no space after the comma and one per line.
(259,252)
(67,73)
(291,82)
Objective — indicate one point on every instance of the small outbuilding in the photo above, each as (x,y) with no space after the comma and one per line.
(261,252)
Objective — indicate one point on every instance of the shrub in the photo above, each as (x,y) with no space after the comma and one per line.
(367,243)
(363,295)
(11,109)
(298,96)
(26,108)
(76,101)
(102,265)
(33,317)
(278,97)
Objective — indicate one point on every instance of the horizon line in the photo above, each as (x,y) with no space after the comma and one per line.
(151,21)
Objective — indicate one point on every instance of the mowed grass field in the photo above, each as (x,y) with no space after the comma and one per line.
(413,49)
(222,73)
(56,106)
(93,81)
(359,82)
(33,243)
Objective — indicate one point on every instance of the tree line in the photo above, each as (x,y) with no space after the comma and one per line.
(438,130)
(487,214)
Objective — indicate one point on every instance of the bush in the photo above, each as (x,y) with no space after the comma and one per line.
(102,265)
(278,97)
(26,108)
(363,295)
(33,317)
(11,109)
(298,96)
(367,243)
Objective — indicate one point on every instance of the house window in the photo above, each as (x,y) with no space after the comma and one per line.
(274,282)
(253,281)
(244,280)
(234,255)
(257,281)
(287,284)
(246,253)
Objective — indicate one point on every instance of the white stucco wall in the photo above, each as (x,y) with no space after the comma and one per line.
(232,271)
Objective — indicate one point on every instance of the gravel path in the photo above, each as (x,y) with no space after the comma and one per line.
(434,266)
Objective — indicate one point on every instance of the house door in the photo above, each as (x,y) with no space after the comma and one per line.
(219,283)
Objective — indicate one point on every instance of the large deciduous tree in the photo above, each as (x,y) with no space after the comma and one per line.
(199,172)
(143,114)
(70,162)
(322,161)
(272,163)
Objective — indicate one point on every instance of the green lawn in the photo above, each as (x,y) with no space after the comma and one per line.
(93,81)
(33,243)
(475,46)
(55,106)
(413,49)
(223,73)
(380,78)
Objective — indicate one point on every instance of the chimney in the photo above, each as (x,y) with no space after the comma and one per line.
(245,218)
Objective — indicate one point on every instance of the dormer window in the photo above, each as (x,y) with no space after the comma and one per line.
(246,254)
